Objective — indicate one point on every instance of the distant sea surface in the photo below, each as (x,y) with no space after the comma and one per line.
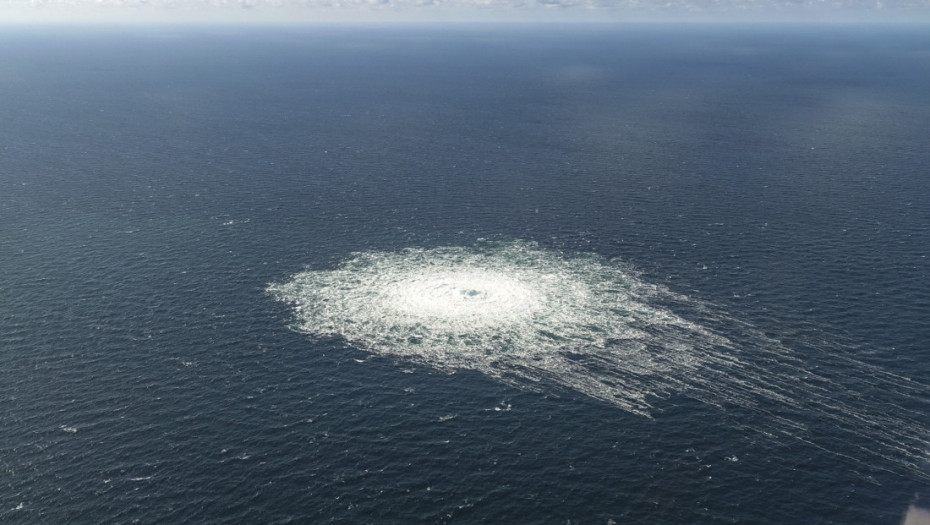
(687,265)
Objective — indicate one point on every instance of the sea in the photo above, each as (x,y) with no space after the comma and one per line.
(490,273)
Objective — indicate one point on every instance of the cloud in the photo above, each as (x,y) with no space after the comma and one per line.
(618,10)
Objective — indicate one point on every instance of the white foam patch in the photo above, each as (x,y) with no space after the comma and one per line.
(539,319)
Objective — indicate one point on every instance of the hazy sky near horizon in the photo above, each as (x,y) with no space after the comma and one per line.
(307,11)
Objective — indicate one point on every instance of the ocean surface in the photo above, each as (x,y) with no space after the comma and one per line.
(464,274)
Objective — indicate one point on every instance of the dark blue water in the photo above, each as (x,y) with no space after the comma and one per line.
(153,182)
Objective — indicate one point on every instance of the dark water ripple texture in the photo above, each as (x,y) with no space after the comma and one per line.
(154,182)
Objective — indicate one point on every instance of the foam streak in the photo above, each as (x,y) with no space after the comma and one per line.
(536,319)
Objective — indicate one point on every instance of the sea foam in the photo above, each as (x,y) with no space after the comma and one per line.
(539,319)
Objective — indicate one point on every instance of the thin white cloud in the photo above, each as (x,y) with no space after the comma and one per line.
(552,10)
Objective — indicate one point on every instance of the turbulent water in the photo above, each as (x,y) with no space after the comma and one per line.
(535,318)
(507,310)
(467,274)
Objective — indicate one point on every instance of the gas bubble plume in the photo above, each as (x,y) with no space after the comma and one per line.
(538,319)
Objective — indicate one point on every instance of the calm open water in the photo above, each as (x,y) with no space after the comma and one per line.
(771,182)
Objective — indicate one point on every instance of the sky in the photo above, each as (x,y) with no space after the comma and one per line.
(310,11)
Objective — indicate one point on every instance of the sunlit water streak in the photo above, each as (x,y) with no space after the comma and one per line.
(538,319)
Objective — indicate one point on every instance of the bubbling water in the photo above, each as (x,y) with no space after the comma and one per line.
(537,319)
(504,309)
(482,297)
